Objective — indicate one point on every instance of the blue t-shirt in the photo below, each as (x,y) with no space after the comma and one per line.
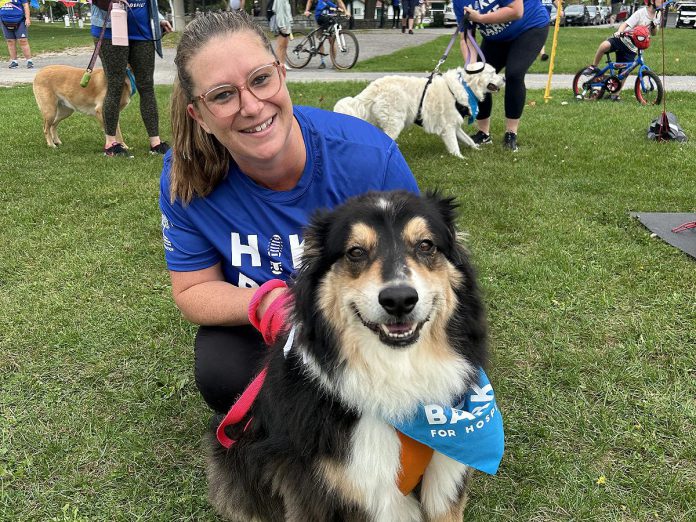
(138,22)
(13,11)
(255,232)
(322,5)
(535,15)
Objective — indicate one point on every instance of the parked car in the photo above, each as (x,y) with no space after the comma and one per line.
(686,15)
(554,14)
(623,13)
(577,14)
(595,17)
(450,18)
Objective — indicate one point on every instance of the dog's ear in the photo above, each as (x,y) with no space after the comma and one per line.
(311,268)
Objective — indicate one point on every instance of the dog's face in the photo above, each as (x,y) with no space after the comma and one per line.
(480,83)
(383,274)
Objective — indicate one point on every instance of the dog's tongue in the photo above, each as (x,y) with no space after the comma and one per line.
(399,328)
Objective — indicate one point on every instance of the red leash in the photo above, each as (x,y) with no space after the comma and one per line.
(243,404)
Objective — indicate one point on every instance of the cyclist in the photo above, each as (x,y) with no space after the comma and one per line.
(322,14)
(625,44)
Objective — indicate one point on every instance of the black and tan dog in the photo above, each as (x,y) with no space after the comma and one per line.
(58,94)
(387,317)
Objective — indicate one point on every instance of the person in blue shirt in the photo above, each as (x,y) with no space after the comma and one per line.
(15,19)
(245,173)
(322,14)
(145,28)
(513,33)
(396,14)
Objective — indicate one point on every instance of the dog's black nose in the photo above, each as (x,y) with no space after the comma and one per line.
(398,300)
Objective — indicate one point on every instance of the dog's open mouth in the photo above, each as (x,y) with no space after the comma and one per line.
(397,334)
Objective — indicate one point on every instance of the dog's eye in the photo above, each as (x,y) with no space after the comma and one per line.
(356,254)
(426,247)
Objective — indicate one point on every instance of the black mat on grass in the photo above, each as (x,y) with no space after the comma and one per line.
(662,223)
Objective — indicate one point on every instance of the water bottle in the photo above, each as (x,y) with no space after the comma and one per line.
(119,25)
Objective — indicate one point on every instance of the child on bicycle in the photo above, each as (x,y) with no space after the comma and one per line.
(622,42)
(322,14)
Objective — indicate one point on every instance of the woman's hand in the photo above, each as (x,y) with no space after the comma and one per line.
(166,26)
(474,15)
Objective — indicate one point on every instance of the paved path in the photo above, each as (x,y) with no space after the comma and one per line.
(373,42)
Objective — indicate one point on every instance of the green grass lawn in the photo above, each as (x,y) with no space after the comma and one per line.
(592,321)
(576,47)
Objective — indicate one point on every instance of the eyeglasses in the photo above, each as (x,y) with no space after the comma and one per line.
(225,100)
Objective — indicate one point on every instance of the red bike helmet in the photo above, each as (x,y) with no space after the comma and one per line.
(640,36)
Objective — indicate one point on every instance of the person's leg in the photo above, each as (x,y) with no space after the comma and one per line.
(26,50)
(522,53)
(12,49)
(496,55)
(282,47)
(114,60)
(226,360)
(141,57)
(603,49)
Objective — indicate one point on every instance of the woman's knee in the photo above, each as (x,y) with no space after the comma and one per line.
(226,359)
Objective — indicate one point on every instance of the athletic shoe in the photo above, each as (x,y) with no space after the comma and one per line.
(544,57)
(14,64)
(481,138)
(592,69)
(403,29)
(30,64)
(117,149)
(322,65)
(162,148)
(410,31)
(615,97)
(510,141)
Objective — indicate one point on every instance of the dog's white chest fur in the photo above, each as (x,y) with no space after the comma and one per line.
(374,465)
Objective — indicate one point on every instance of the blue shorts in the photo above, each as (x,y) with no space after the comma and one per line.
(15,34)
(408,7)
(623,53)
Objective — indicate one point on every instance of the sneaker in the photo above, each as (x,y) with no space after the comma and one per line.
(403,28)
(481,138)
(322,65)
(117,149)
(510,141)
(544,57)
(615,98)
(592,69)
(162,148)
(410,31)
(14,64)
(30,64)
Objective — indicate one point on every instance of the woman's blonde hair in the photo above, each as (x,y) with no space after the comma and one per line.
(199,161)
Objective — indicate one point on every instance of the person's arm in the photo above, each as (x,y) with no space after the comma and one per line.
(27,14)
(508,13)
(205,298)
(307,12)
(342,6)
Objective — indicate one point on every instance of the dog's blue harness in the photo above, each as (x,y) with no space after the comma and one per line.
(472,110)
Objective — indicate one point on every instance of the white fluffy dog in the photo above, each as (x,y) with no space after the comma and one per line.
(392,102)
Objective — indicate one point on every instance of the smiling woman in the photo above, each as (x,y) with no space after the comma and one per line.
(246,172)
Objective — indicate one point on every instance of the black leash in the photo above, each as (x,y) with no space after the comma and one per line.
(419,117)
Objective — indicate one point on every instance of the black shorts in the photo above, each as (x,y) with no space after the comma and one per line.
(623,53)
(324,20)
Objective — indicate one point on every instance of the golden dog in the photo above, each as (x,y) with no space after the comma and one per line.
(58,94)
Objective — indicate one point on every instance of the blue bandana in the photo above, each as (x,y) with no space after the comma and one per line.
(473,108)
(131,79)
(470,432)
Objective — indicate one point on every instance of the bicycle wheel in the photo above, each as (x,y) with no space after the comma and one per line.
(300,50)
(587,87)
(344,50)
(648,88)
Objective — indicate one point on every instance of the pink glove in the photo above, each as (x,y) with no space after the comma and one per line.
(275,317)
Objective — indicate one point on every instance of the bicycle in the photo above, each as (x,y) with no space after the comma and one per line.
(594,85)
(344,48)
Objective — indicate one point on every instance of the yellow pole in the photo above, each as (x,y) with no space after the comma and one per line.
(557,25)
